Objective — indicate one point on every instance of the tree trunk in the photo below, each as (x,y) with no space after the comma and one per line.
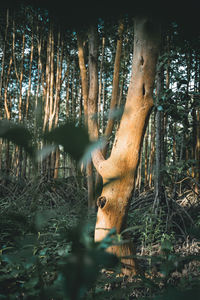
(6,106)
(47,84)
(100,81)
(21,79)
(119,170)
(115,86)
(196,130)
(51,74)
(152,153)
(114,98)
(30,70)
(4,52)
(39,68)
(159,191)
(197,153)
(85,94)
(146,145)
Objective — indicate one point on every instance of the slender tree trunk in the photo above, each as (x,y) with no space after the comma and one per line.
(85,91)
(196,130)
(114,100)
(51,94)
(93,90)
(6,106)
(56,105)
(4,52)
(152,153)
(1,81)
(100,82)
(7,116)
(21,79)
(115,86)
(84,75)
(47,84)
(56,163)
(73,95)
(146,145)
(119,170)
(39,68)
(67,99)
(159,189)
(138,181)
(30,70)
(197,153)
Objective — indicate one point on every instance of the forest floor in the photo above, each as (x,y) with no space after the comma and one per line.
(39,215)
(167,247)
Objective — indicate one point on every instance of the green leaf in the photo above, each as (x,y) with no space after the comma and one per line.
(42,218)
(115,113)
(166,245)
(17,134)
(74,139)
(132,228)
(175,294)
(108,240)
(31,283)
(44,152)
(100,144)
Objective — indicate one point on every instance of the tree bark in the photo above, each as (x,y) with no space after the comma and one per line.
(119,170)
(84,76)
(197,153)
(159,138)
(47,84)
(30,70)
(146,144)
(115,87)
(4,52)
(100,82)
(21,79)
(114,98)
(84,87)
(152,153)
(6,105)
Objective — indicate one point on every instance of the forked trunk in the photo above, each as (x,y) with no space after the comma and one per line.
(119,170)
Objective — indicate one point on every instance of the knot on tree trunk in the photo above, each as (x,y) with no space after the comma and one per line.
(101,202)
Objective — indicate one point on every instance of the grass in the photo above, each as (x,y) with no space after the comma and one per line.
(47,248)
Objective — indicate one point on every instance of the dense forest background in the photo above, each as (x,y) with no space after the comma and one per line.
(40,90)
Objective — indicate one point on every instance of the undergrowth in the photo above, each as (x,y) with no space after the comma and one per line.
(48,252)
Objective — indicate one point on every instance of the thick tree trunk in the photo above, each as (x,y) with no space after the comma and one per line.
(119,170)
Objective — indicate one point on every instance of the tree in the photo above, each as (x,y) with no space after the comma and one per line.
(159,190)
(90,94)
(119,170)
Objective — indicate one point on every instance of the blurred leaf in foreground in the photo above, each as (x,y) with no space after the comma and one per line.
(99,144)
(81,268)
(44,152)
(17,134)
(73,139)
